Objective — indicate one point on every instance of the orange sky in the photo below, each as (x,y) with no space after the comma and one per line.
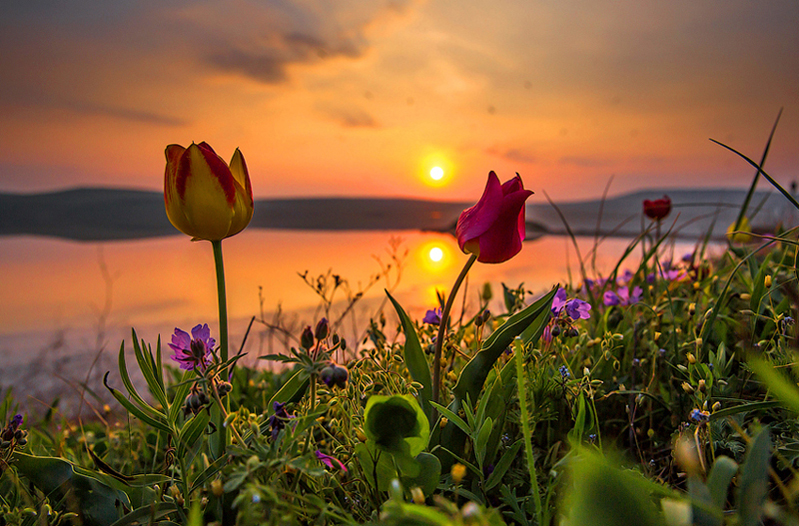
(362,97)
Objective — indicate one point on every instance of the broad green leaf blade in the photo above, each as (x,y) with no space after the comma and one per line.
(754,480)
(702,510)
(53,476)
(429,474)
(415,359)
(396,424)
(471,379)
(718,482)
(291,391)
(604,495)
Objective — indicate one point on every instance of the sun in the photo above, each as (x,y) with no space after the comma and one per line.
(436,254)
(436,173)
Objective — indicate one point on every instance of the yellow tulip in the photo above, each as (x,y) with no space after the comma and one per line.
(205,197)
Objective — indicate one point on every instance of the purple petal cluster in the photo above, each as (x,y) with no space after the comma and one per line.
(576,309)
(432,317)
(622,296)
(192,351)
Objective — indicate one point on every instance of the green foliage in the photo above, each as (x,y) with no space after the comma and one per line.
(540,420)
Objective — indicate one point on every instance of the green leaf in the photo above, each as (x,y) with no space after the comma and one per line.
(781,388)
(56,477)
(754,480)
(181,391)
(131,389)
(482,439)
(142,515)
(291,391)
(396,424)
(702,509)
(191,432)
(452,417)
(368,455)
(759,285)
(502,466)
(471,379)
(604,495)
(156,422)
(718,482)
(429,474)
(415,359)
(149,370)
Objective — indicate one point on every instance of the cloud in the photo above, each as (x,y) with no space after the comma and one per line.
(271,37)
(350,117)
(518,155)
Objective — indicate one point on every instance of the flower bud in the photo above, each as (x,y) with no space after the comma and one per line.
(687,388)
(702,386)
(691,358)
(767,281)
(306,339)
(322,329)
(216,488)
(458,471)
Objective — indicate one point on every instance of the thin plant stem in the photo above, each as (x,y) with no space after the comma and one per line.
(442,326)
(222,440)
(521,388)
(220,288)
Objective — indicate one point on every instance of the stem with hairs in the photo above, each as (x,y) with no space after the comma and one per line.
(442,326)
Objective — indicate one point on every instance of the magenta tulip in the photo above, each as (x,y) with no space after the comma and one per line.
(493,229)
(657,209)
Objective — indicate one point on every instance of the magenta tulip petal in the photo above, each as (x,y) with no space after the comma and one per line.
(494,228)
(475,221)
(503,239)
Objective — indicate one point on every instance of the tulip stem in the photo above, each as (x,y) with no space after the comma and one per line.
(442,326)
(222,439)
(220,288)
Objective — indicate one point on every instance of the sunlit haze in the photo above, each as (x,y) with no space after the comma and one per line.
(362,98)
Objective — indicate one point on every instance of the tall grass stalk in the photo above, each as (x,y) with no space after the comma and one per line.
(521,386)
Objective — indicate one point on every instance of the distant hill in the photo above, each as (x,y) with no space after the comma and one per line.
(92,214)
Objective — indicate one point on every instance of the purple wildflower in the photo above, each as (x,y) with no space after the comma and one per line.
(330,462)
(622,296)
(279,419)
(699,416)
(559,301)
(195,350)
(625,278)
(433,317)
(578,309)
(16,421)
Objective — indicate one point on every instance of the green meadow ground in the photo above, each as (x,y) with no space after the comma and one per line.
(677,408)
